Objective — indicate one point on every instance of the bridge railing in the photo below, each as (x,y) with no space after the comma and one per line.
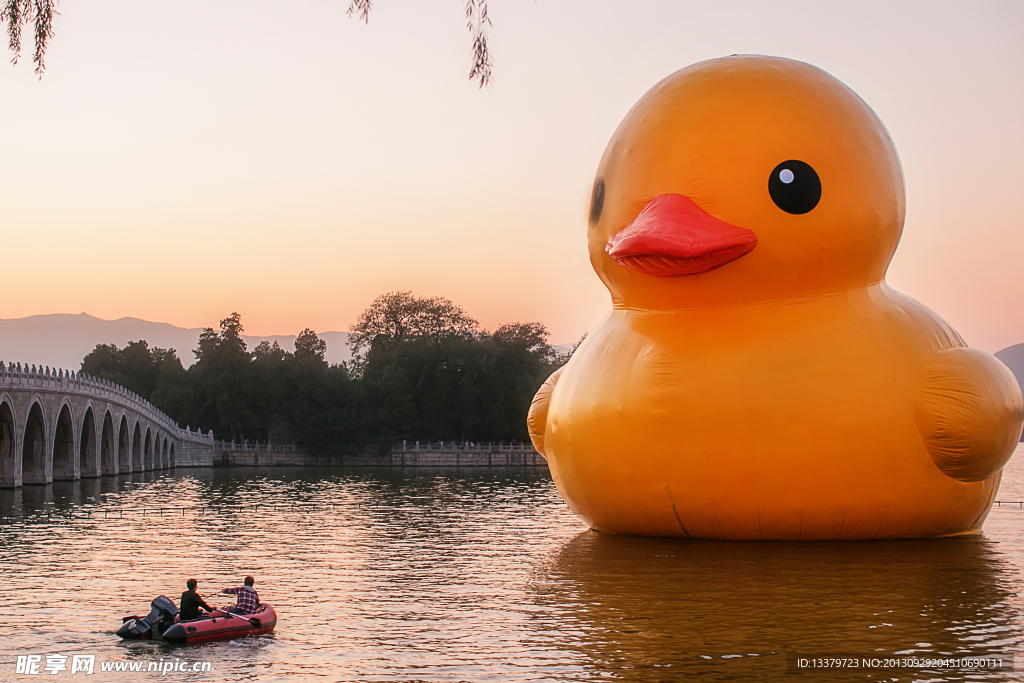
(13,375)
(424,447)
(463,447)
(254,447)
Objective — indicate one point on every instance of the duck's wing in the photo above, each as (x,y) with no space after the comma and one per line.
(537,420)
(969,411)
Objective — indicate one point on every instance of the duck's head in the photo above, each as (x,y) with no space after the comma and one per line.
(742,180)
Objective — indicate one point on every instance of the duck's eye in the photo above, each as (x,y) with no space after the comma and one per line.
(597,201)
(794,187)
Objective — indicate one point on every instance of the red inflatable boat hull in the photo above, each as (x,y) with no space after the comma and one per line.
(222,626)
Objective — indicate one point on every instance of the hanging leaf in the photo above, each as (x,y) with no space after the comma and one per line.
(38,13)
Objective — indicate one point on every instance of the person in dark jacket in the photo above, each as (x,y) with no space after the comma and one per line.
(191,602)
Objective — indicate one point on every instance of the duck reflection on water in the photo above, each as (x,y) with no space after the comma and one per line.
(638,607)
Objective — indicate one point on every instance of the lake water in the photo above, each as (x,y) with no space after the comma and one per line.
(482,575)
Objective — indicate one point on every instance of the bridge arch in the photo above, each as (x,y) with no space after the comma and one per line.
(33,452)
(137,448)
(170,456)
(8,459)
(124,460)
(64,444)
(147,452)
(163,454)
(108,447)
(87,465)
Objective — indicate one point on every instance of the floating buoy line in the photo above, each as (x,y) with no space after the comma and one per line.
(130,513)
(139,512)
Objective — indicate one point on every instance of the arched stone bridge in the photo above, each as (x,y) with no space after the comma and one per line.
(62,426)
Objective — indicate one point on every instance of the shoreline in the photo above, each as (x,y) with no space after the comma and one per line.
(497,457)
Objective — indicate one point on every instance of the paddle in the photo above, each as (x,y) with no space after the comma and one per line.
(255,623)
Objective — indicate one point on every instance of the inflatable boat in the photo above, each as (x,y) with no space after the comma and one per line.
(221,625)
(163,621)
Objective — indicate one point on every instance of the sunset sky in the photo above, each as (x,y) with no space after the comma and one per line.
(179,161)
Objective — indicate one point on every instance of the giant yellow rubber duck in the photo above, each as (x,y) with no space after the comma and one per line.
(756,377)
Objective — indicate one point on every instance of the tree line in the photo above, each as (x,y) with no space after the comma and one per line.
(422,368)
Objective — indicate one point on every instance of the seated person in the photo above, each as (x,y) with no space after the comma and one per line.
(248,599)
(191,602)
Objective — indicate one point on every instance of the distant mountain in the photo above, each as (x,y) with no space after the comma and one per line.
(1013,357)
(62,340)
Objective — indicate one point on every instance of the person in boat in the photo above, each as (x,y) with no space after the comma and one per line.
(248,599)
(191,602)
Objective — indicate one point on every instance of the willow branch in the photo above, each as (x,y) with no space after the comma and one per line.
(477,22)
(16,14)
(360,9)
(44,11)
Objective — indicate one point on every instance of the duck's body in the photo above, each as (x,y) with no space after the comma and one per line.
(786,393)
(671,424)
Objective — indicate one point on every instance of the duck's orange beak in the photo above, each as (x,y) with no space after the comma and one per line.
(673,236)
